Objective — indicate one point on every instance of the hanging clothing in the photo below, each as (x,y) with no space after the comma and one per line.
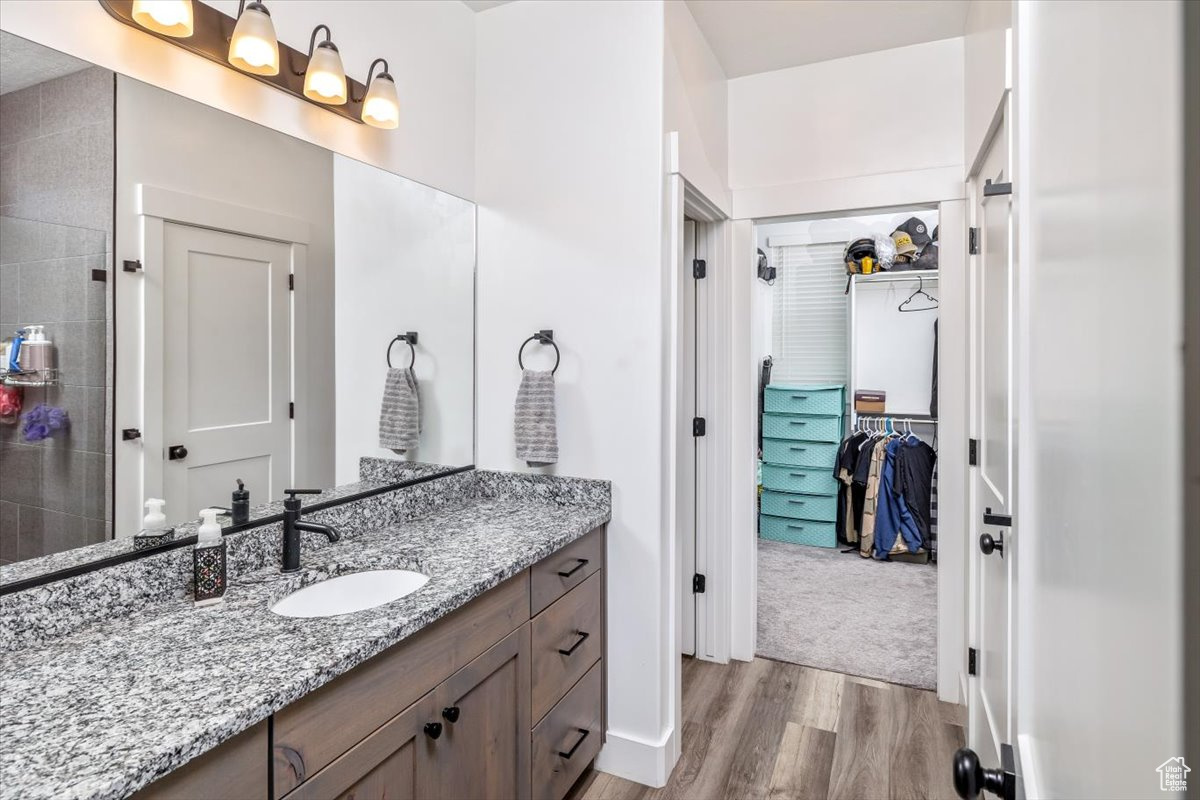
(866,539)
(933,391)
(896,529)
(914,482)
(849,518)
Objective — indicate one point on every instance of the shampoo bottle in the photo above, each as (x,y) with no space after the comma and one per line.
(208,560)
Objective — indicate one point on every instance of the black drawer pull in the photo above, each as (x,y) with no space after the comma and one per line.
(796,527)
(433,729)
(796,502)
(798,474)
(583,635)
(582,563)
(797,422)
(798,449)
(451,713)
(583,734)
(799,397)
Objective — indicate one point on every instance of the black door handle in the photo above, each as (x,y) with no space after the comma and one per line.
(583,635)
(970,778)
(176,452)
(583,734)
(433,729)
(988,545)
(582,563)
(451,713)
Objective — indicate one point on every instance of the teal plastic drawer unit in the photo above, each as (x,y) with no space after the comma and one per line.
(822,401)
(799,453)
(782,529)
(803,428)
(815,507)
(800,480)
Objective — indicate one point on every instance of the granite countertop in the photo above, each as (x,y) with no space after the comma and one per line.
(110,708)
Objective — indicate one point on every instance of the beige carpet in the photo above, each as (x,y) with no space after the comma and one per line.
(823,608)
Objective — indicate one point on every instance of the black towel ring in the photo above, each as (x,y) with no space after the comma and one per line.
(541,337)
(410,339)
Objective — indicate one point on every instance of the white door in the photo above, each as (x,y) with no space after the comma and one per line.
(227,372)
(991,695)
(689,466)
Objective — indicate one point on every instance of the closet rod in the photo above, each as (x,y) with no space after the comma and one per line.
(913,420)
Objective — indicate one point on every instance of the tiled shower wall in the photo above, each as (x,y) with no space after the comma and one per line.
(56,212)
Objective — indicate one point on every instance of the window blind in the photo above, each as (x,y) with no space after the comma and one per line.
(809,314)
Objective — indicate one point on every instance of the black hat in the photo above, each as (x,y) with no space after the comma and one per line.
(935,227)
(917,230)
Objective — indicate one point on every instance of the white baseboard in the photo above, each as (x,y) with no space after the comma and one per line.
(639,760)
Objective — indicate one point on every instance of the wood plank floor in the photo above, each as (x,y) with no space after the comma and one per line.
(774,730)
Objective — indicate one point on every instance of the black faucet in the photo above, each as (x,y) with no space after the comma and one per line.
(293,525)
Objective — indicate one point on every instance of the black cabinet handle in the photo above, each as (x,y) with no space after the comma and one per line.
(796,502)
(582,563)
(451,713)
(583,734)
(798,449)
(583,635)
(797,422)
(433,729)
(176,452)
(988,545)
(798,474)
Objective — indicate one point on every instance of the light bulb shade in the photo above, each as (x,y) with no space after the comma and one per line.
(325,79)
(381,107)
(253,47)
(168,17)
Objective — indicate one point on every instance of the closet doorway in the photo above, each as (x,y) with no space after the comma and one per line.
(847,529)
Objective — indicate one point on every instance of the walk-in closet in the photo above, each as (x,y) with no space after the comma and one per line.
(846,336)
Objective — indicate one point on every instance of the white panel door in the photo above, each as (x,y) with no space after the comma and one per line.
(688,460)
(991,692)
(227,375)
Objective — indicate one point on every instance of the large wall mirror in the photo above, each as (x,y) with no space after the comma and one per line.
(189,299)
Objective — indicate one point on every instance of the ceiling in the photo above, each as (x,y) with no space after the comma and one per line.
(751,36)
(23,63)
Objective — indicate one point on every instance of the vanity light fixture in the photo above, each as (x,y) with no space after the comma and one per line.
(324,78)
(381,106)
(253,47)
(169,17)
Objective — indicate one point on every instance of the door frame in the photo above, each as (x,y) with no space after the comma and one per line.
(138,394)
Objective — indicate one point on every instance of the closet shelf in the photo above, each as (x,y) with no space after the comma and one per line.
(892,277)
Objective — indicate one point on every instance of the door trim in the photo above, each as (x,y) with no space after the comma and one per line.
(137,400)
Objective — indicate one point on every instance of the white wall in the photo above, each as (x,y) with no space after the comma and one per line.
(985,71)
(695,104)
(569,183)
(405,261)
(867,131)
(1100,529)
(429,46)
(170,142)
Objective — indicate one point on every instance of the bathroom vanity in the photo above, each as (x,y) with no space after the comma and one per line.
(486,682)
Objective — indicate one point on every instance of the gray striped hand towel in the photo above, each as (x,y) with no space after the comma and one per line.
(534,425)
(400,413)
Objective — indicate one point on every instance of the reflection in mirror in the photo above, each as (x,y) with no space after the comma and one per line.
(244,334)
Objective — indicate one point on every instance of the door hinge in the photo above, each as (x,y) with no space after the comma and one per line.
(972,661)
(291,410)
(100,275)
(698,426)
(973,452)
(131,266)
(291,282)
(973,241)
(998,520)
(697,584)
(128,434)
(992,189)
(699,268)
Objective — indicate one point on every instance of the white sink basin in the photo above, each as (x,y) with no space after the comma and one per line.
(346,594)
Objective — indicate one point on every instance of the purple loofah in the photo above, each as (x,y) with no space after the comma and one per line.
(42,421)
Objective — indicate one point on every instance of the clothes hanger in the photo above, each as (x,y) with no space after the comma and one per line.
(920,291)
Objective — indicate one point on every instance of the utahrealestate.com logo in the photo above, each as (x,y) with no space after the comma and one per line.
(1172,775)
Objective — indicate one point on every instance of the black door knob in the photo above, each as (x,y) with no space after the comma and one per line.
(989,545)
(451,713)
(433,729)
(970,778)
(176,452)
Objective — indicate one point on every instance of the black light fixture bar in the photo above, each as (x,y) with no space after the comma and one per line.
(210,39)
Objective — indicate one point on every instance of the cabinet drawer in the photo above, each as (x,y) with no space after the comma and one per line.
(802,428)
(568,738)
(553,577)
(803,480)
(568,638)
(800,454)
(798,531)
(819,508)
(313,731)
(819,400)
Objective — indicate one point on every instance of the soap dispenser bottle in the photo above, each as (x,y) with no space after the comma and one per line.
(241,504)
(154,530)
(208,560)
